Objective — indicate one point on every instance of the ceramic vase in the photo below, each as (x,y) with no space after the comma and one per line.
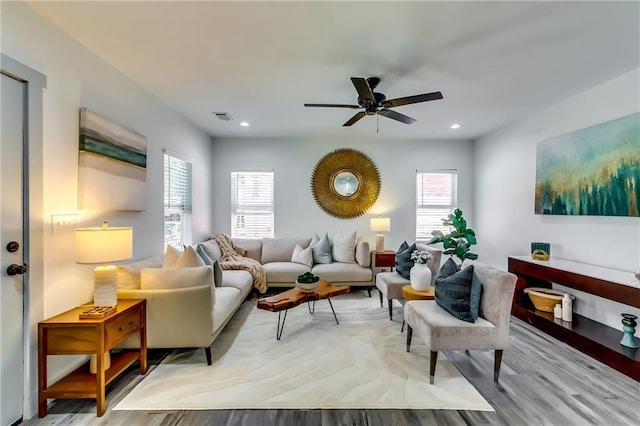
(420,277)
(629,327)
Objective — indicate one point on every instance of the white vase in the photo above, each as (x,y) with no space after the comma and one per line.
(420,277)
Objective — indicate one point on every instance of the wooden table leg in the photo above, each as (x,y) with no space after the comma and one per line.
(42,372)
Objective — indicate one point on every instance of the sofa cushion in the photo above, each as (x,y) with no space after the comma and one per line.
(342,272)
(242,280)
(321,249)
(390,284)
(302,256)
(129,274)
(455,292)
(227,300)
(188,259)
(363,254)
(344,247)
(171,255)
(403,259)
(252,246)
(165,278)
(212,249)
(284,272)
(280,249)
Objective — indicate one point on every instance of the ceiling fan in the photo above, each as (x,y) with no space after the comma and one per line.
(375,103)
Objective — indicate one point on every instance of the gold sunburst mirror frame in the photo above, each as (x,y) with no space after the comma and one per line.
(345,183)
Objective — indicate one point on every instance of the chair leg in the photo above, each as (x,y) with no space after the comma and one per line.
(409,335)
(380,294)
(369,291)
(433,358)
(497,361)
(390,302)
(207,352)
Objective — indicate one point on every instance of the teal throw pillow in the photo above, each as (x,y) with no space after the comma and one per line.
(459,293)
(321,249)
(403,259)
(217,270)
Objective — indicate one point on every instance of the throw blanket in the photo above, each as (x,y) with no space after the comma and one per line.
(233,258)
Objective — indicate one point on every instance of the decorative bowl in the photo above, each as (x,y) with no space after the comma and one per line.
(544,299)
(307,287)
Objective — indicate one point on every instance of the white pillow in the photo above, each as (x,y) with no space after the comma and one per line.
(129,274)
(321,249)
(344,248)
(189,259)
(212,249)
(166,278)
(303,256)
(171,254)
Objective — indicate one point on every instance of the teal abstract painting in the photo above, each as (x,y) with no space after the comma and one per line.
(592,171)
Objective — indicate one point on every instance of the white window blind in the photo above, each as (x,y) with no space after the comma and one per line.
(177,201)
(251,204)
(436,198)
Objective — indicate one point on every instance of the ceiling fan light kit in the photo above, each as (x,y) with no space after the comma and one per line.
(376,103)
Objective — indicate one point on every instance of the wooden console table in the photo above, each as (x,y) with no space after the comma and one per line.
(67,334)
(596,340)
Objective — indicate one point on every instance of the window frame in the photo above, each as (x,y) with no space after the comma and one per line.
(255,209)
(444,208)
(183,208)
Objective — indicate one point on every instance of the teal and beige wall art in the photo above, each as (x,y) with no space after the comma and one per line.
(592,171)
(112,165)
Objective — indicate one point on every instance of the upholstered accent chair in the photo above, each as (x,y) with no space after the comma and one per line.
(441,331)
(389,284)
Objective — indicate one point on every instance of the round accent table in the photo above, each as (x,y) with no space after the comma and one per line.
(410,294)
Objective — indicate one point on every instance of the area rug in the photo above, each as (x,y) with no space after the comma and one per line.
(359,364)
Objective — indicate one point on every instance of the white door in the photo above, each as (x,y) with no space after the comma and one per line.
(12,123)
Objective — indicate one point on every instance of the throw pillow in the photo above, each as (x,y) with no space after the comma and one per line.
(188,259)
(166,278)
(303,256)
(129,274)
(217,270)
(403,259)
(454,294)
(344,248)
(450,267)
(171,254)
(212,249)
(321,250)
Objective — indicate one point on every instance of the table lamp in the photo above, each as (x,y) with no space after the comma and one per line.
(104,245)
(379,225)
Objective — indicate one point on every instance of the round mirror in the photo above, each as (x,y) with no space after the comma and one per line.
(346,183)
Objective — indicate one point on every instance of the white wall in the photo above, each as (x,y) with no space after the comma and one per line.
(77,78)
(505,166)
(293,161)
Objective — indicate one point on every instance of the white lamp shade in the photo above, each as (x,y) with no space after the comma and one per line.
(103,245)
(380,224)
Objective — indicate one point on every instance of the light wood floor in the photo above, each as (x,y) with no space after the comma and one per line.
(542,382)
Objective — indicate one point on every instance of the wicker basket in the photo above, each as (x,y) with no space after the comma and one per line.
(544,299)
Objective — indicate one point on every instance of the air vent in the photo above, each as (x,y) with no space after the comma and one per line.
(224,116)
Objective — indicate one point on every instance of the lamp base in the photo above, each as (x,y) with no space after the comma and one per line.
(379,242)
(105,285)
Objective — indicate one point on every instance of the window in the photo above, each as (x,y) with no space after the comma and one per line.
(436,198)
(251,204)
(177,201)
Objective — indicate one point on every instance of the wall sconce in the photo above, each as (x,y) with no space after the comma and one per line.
(379,225)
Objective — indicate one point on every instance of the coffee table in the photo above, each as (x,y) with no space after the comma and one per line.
(293,297)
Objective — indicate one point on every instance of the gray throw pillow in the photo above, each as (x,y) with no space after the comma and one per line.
(455,293)
(321,249)
(403,259)
(217,270)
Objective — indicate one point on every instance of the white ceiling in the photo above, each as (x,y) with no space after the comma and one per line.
(261,61)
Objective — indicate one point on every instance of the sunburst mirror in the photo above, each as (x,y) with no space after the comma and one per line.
(345,183)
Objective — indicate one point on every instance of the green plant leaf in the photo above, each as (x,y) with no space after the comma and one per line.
(471,238)
(472,256)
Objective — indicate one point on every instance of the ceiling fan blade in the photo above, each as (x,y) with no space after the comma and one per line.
(333,106)
(355,118)
(396,116)
(363,89)
(434,96)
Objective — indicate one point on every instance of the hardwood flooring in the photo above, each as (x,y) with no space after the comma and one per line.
(542,382)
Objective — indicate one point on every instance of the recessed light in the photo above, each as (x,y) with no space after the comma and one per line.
(244,124)
(455,126)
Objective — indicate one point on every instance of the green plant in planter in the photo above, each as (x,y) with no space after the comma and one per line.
(308,278)
(458,242)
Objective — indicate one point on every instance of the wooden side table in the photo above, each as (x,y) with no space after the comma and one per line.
(410,294)
(67,334)
(383,259)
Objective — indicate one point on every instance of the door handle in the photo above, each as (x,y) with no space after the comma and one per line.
(15,269)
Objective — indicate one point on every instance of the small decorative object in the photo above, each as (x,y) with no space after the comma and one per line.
(540,251)
(380,225)
(307,282)
(567,308)
(557,311)
(97,312)
(420,274)
(544,299)
(456,243)
(629,327)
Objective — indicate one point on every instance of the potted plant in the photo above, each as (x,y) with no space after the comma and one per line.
(458,242)
(307,282)
(420,274)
